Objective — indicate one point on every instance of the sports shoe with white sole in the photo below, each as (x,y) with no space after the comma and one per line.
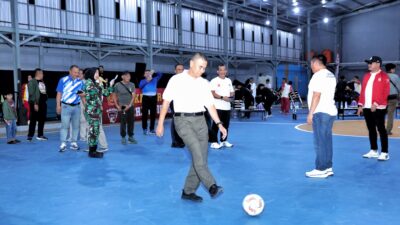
(63,147)
(102,150)
(74,146)
(227,144)
(329,171)
(371,154)
(383,156)
(215,145)
(318,173)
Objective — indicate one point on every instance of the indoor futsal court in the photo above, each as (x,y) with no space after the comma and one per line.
(199,112)
(141,185)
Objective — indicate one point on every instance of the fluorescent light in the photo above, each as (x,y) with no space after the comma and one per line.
(298,30)
(295,3)
(267,22)
(323,2)
(296,10)
(326,20)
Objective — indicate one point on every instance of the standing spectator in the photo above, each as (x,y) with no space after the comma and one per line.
(393,98)
(192,94)
(25,98)
(10,118)
(373,102)
(286,88)
(124,99)
(101,72)
(69,90)
(222,90)
(94,92)
(252,87)
(177,141)
(38,104)
(149,99)
(322,112)
(340,94)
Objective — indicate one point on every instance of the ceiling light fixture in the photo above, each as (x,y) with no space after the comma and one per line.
(296,10)
(326,20)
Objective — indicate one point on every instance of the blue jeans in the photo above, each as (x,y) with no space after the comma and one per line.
(322,127)
(70,115)
(11,130)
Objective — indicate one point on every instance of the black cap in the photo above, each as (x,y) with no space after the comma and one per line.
(374,59)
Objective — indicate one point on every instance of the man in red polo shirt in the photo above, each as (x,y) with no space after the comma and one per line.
(373,103)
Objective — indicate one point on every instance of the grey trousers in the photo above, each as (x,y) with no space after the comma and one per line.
(194,133)
(391,109)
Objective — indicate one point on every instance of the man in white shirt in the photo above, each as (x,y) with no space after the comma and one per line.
(322,112)
(285,91)
(191,93)
(222,90)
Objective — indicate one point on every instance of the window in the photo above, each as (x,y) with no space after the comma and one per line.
(158,18)
(176,21)
(139,14)
(63,5)
(219,29)
(262,37)
(294,43)
(287,42)
(279,40)
(206,27)
(243,34)
(252,36)
(232,31)
(271,39)
(32,2)
(192,24)
(117,10)
(92,9)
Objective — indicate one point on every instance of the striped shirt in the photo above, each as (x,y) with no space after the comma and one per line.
(69,87)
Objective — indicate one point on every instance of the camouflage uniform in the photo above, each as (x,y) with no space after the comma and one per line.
(94,108)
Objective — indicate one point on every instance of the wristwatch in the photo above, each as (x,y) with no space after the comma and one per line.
(222,97)
(219,123)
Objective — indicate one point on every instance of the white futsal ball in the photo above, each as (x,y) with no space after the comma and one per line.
(253,204)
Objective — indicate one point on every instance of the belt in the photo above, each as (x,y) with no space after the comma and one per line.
(70,104)
(189,114)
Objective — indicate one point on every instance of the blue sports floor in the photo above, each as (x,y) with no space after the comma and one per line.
(141,184)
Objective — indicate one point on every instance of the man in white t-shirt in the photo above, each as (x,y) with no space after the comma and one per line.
(322,112)
(191,93)
(222,90)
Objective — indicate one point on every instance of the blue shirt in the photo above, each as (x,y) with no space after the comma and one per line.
(149,88)
(69,88)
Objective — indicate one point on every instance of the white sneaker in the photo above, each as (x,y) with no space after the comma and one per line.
(63,147)
(215,145)
(383,156)
(74,146)
(329,171)
(102,150)
(318,174)
(371,154)
(227,144)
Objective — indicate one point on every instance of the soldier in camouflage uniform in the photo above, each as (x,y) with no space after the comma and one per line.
(93,111)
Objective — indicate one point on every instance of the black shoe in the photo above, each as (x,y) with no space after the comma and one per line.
(17,141)
(93,153)
(11,142)
(215,190)
(191,197)
(29,139)
(42,138)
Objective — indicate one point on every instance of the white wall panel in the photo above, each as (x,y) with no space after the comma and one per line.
(5,15)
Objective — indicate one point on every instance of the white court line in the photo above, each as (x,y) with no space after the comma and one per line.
(343,135)
(264,123)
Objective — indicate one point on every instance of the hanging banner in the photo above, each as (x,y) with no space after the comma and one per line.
(110,112)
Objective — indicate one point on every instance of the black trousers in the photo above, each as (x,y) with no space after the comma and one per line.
(225,117)
(127,122)
(376,120)
(38,117)
(149,103)
(267,106)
